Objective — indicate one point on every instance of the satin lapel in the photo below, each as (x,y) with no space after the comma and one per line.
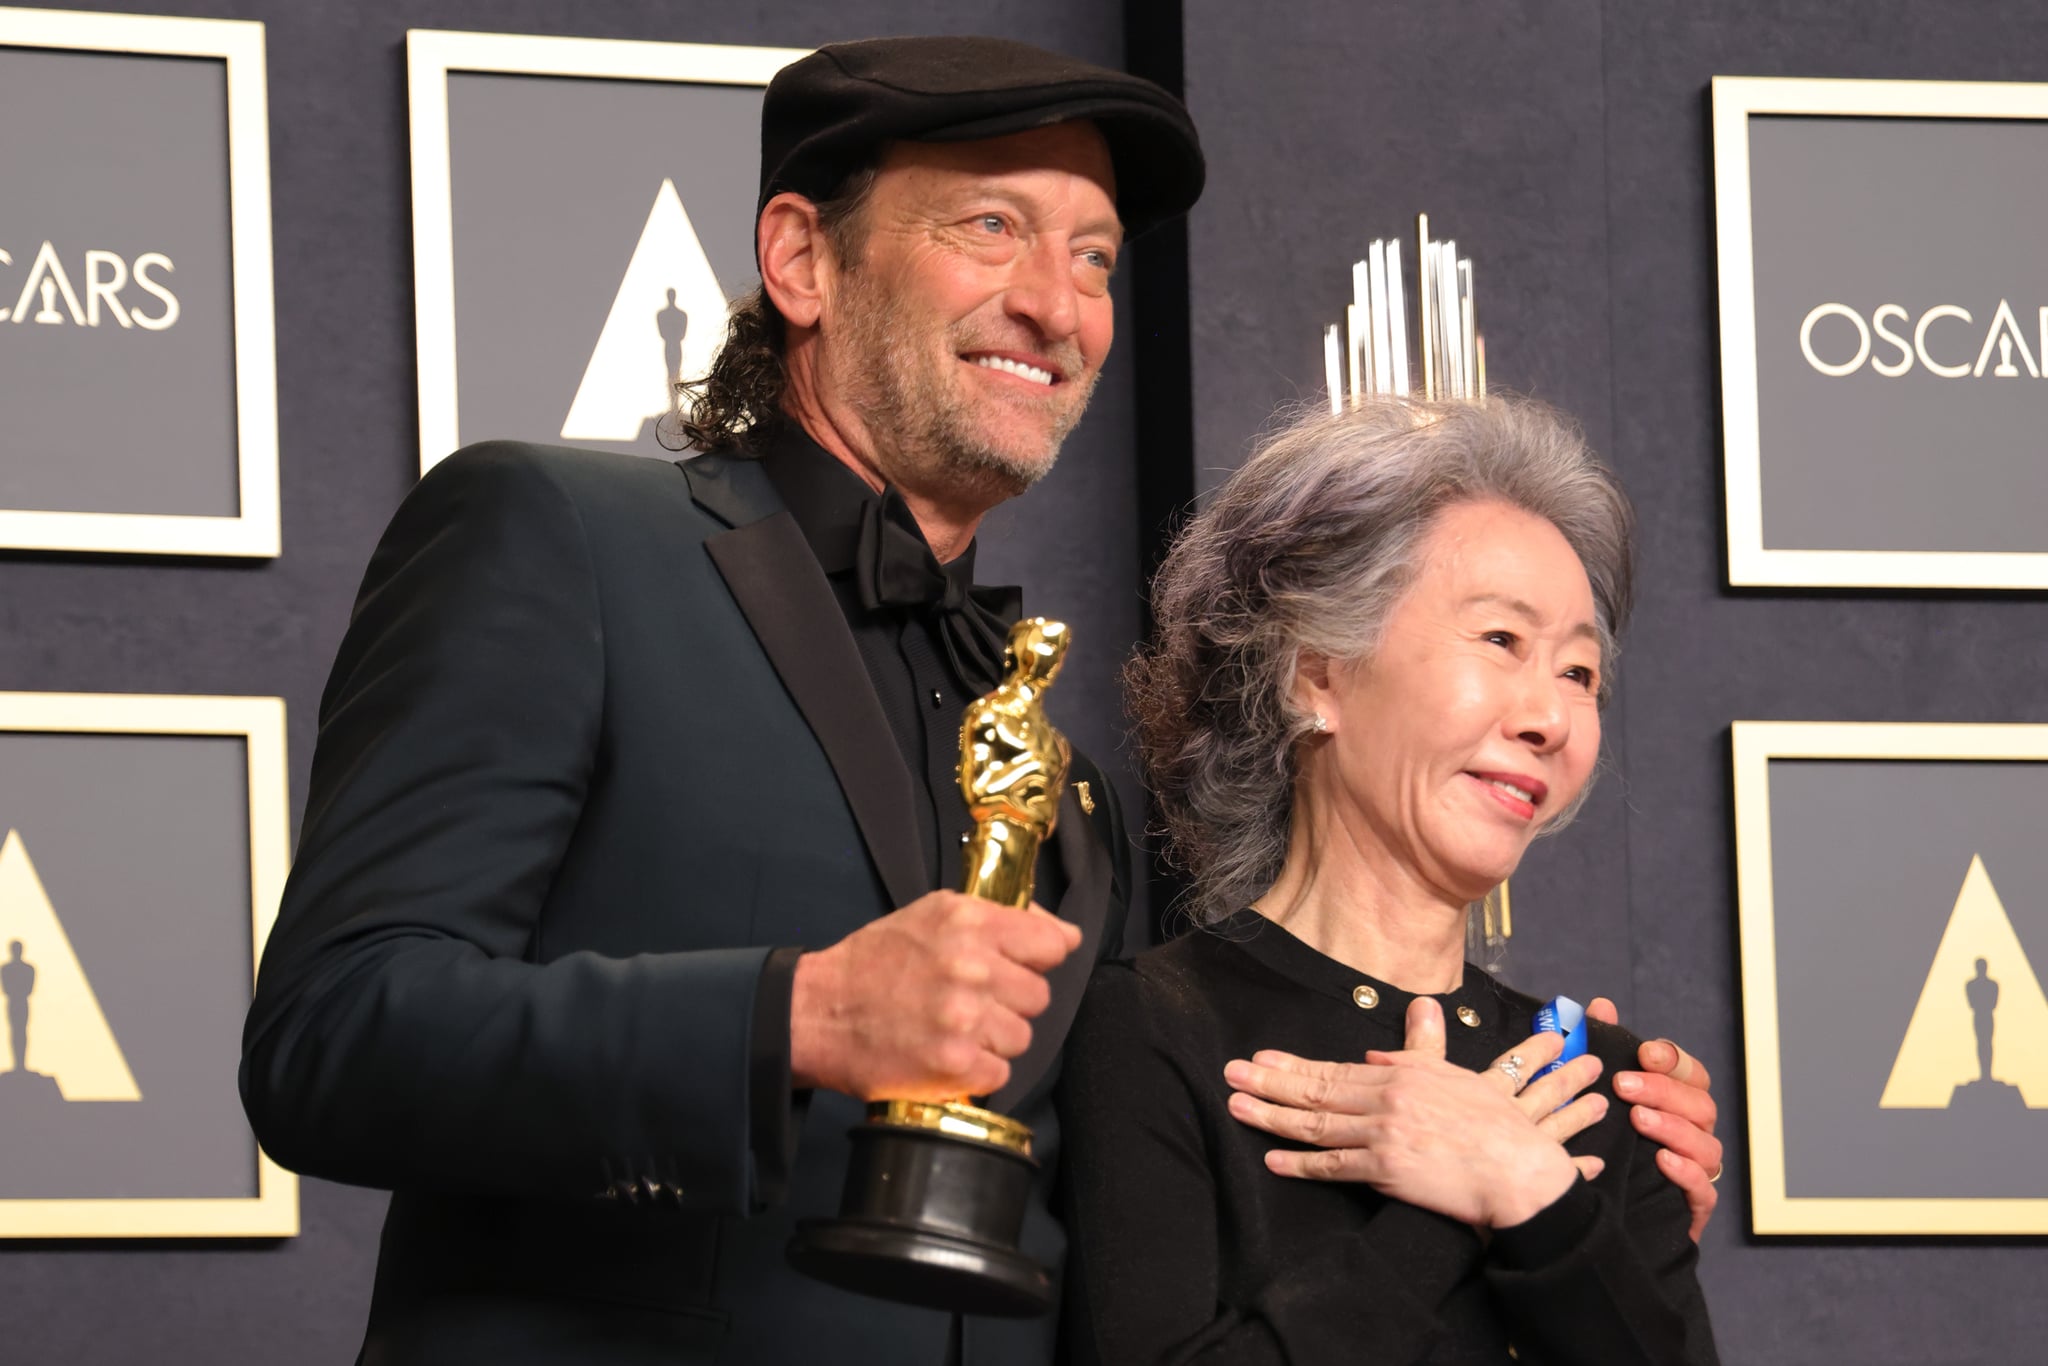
(732,488)
(1084,854)
(769,569)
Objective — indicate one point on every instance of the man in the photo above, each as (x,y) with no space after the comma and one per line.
(616,889)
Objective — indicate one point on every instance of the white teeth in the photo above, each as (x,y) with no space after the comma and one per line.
(1017,368)
(1514,791)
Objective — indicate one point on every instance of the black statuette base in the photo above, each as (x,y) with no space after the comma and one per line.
(931,1219)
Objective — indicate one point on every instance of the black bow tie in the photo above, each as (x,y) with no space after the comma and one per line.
(895,567)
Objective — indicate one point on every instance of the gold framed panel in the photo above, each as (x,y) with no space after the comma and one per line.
(431,56)
(1750,562)
(1755,745)
(255,531)
(260,723)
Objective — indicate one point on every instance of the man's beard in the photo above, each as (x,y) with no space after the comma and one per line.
(924,427)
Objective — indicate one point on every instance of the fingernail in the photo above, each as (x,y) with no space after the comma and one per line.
(1645,1116)
(1236,1070)
(1628,1083)
(1665,1054)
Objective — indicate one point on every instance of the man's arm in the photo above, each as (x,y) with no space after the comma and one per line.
(1671,1105)
(402,1034)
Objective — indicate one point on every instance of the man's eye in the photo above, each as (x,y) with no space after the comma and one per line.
(994,222)
(1098,259)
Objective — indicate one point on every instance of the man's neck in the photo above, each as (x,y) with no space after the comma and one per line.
(948,526)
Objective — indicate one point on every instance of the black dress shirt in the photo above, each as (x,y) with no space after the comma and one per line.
(922,693)
(1184,1248)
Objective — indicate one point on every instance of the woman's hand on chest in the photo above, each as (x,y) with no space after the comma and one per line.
(1483,1147)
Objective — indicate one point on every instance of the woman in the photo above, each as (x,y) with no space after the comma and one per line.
(1381,656)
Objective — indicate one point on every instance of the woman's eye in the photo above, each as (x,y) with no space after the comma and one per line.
(1581,676)
(1504,639)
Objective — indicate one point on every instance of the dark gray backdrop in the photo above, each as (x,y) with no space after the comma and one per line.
(1565,144)
(1566,147)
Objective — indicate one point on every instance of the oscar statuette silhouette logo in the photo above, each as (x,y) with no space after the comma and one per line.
(674,324)
(1982,993)
(17,981)
(663,330)
(57,1044)
(936,1191)
(1978,1039)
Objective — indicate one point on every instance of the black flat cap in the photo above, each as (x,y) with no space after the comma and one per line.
(834,112)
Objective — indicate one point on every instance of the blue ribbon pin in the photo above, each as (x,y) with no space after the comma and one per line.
(1562,1015)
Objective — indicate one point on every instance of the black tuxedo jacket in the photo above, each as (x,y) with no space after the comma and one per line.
(597,741)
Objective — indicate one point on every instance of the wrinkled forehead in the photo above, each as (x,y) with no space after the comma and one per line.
(1491,554)
(1074,149)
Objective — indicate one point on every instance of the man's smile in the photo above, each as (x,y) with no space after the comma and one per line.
(1033,371)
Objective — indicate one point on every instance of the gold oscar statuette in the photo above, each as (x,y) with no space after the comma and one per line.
(936,1191)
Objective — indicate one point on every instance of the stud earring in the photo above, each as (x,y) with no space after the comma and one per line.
(1322,723)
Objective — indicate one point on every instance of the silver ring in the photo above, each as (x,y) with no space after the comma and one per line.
(1512,1065)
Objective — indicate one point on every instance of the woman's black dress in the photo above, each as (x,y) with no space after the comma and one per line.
(1185,1248)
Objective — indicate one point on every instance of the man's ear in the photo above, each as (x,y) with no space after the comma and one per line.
(795,258)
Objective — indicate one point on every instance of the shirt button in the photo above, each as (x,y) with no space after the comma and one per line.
(1468,1016)
(1365,998)
(938,698)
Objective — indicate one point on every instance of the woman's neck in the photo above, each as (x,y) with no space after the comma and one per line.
(1343,894)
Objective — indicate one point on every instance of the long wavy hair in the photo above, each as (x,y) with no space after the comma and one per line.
(1309,546)
(743,390)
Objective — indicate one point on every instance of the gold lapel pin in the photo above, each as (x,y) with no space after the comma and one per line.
(1087,798)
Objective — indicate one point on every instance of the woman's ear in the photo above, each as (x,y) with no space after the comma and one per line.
(1315,692)
(794,258)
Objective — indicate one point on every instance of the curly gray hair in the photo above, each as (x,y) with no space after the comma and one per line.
(1308,547)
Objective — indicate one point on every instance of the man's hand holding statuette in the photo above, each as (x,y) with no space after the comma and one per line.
(929,1003)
